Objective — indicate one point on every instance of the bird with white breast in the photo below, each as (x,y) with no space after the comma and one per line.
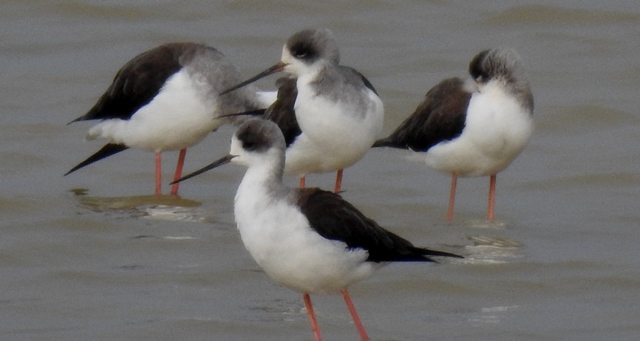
(309,240)
(165,99)
(337,110)
(472,127)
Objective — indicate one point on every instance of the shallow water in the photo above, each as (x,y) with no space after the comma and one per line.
(92,256)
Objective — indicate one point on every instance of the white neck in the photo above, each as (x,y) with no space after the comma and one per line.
(261,184)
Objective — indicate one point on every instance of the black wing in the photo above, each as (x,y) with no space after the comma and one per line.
(366,82)
(336,219)
(137,82)
(440,117)
(282,111)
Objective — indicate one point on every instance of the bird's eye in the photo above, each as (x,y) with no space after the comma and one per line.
(482,77)
(299,51)
(252,140)
(248,140)
(249,145)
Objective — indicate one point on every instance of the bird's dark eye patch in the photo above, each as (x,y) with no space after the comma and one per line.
(249,145)
(302,51)
(477,68)
(252,139)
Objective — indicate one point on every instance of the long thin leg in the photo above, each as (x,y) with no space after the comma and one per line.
(492,197)
(452,197)
(338,181)
(354,315)
(158,173)
(178,174)
(302,181)
(312,317)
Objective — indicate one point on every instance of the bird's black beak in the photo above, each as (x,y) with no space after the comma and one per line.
(222,161)
(273,69)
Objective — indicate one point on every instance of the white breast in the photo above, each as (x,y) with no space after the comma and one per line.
(497,129)
(335,134)
(279,238)
(179,116)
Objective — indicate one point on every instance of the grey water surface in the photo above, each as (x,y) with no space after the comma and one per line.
(94,256)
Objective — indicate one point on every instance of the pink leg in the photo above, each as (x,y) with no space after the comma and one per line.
(338,181)
(302,181)
(158,173)
(492,197)
(178,174)
(354,315)
(452,197)
(312,317)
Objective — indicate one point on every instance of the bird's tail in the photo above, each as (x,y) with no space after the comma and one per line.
(434,253)
(108,150)
(386,142)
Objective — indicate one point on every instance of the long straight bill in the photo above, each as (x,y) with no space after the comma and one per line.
(275,68)
(222,161)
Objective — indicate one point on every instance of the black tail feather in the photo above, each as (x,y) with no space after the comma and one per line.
(81,118)
(391,142)
(382,143)
(434,253)
(418,254)
(108,150)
